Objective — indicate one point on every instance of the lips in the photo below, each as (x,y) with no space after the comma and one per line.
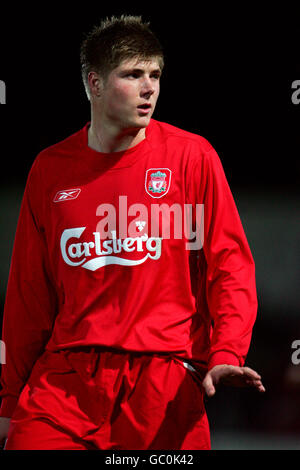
(145,106)
(144,109)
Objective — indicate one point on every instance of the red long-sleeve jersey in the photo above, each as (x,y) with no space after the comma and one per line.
(140,250)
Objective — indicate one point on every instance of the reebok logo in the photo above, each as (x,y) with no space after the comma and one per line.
(66,195)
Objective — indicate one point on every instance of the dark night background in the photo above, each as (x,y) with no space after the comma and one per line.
(228,77)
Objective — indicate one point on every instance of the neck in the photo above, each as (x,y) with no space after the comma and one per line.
(107,138)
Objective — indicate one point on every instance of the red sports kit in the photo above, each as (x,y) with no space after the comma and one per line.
(131,275)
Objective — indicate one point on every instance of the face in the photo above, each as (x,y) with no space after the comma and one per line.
(130,93)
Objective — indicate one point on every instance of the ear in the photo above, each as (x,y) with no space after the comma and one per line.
(95,84)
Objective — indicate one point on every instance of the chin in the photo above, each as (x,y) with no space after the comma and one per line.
(136,122)
(143,121)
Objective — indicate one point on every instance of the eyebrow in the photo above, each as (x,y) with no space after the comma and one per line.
(137,70)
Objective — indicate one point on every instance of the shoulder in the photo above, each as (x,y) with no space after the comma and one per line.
(64,148)
(54,160)
(197,151)
(57,158)
(169,132)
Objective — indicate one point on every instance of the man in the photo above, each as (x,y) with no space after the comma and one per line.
(116,320)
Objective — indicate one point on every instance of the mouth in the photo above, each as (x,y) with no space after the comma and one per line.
(144,108)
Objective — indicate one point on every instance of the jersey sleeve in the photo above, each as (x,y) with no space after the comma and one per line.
(30,303)
(230,270)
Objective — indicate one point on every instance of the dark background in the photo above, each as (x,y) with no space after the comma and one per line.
(228,77)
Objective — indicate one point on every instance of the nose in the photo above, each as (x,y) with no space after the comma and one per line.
(147,88)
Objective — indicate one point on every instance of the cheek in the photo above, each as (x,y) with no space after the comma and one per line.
(124,92)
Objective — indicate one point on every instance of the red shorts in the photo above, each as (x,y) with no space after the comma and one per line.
(95,399)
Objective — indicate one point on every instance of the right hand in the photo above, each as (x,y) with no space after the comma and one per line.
(4,426)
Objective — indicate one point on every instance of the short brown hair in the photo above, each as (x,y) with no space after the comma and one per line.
(117,39)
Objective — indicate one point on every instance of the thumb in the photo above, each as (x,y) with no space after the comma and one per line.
(208,385)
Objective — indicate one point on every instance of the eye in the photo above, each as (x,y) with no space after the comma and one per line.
(133,75)
(155,75)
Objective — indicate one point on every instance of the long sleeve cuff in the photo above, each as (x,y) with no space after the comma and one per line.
(223,357)
(8,406)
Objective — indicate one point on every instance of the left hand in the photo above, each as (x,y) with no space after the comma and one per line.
(231,375)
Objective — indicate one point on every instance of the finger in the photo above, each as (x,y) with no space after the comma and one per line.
(208,385)
(259,386)
(251,373)
(256,384)
(236,372)
(233,372)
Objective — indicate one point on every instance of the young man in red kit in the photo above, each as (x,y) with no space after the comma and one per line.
(116,324)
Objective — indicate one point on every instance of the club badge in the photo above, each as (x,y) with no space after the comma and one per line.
(157,182)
